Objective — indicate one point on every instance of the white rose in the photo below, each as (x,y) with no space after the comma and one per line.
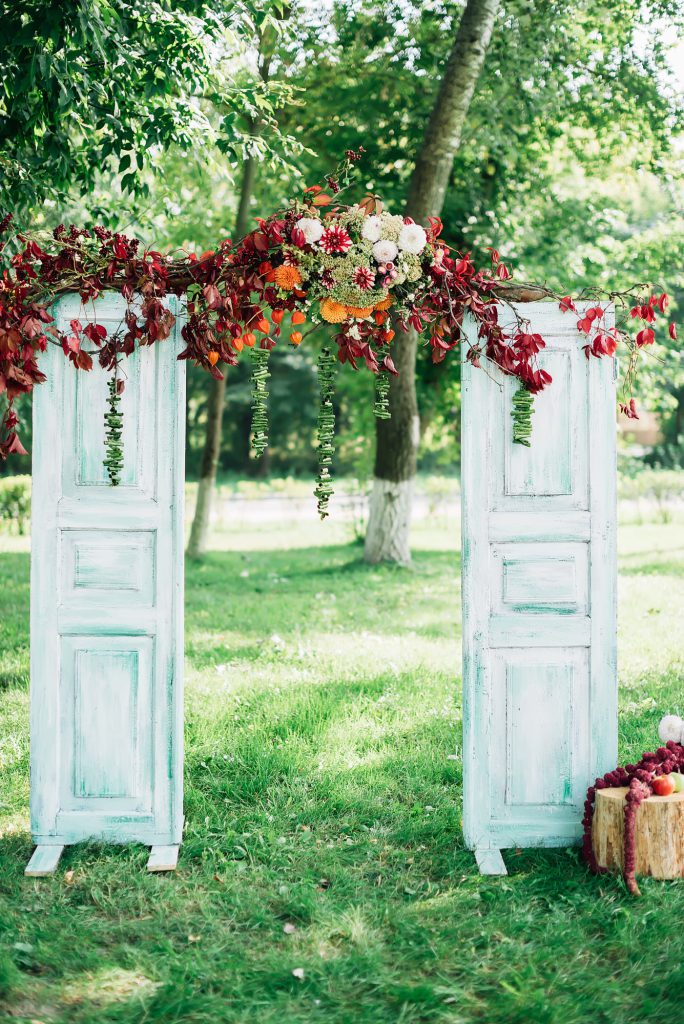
(311,228)
(372,228)
(385,251)
(412,238)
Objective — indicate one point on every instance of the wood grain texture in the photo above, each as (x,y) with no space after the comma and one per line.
(539,608)
(107,599)
(659,833)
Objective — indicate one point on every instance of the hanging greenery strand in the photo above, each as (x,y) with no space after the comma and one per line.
(523,407)
(381,403)
(114,460)
(326,429)
(260,376)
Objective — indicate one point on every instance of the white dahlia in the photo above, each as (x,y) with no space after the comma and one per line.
(372,228)
(412,238)
(385,251)
(311,228)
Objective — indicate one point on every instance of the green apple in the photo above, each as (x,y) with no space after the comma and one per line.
(678,780)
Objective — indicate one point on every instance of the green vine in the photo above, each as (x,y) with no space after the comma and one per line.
(326,430)
(523,407)
(381,406)
(260,376)
(114,459)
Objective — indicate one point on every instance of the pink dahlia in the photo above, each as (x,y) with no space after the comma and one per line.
(335,240)
(363,278)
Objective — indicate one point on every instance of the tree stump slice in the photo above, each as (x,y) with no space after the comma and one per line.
(659,833)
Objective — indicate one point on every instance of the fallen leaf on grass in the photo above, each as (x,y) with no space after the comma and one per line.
(298,972)
(289,928)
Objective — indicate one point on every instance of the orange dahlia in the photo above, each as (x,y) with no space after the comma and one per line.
(384,304)
(333,312)
(287,277)
(359,312)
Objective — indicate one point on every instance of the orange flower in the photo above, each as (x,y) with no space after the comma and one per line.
(333,312)
(287,277)
(359,311)
(249,338)
(277,315)
(385,303)
(298,317)
(296,337)
(213,358)
(263,325)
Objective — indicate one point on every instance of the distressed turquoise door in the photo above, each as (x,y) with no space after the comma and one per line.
(107,598)
(539,591)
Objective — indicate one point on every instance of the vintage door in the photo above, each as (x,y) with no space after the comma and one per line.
(539,591)
(107,599)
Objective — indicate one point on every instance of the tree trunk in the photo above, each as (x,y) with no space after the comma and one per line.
(199,533)
(659,850)
(387,537)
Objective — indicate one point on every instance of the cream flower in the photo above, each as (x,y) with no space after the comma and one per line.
(311,228)
(385,251)
(372,228)
(412,238)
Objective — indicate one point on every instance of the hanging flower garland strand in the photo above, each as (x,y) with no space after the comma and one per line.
(326,430)
(381,406)
(260,377)
(523,407)
(114,456)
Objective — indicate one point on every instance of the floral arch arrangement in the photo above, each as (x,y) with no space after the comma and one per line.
(318,263)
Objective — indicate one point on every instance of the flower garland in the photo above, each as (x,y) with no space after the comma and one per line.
(638,777)
(260,376)
(357,267)
(114,459)
(326,430)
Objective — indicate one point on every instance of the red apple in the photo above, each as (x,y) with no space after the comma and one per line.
(663,785)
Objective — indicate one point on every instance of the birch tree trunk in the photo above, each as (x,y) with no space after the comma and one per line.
(388,533)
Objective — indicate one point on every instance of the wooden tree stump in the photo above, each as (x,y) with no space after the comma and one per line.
(659,833)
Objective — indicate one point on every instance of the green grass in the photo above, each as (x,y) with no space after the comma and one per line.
(323,704)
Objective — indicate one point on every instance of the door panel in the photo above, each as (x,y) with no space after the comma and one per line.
(107,598)
(539,569)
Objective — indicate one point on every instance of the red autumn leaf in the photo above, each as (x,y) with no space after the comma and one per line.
(84,361)
(371,204)
(645,337)
(95,332)
(672,331)
(566,304)
(321,199)
(502,272)
(260,242)
(313,188)
(584,325)
(663,302)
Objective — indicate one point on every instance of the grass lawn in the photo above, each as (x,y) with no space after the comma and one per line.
(323,829)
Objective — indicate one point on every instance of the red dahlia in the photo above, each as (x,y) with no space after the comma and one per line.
(335,240)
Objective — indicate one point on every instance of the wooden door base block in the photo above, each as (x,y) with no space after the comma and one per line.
(43,862)
(659,833)
(490,862)
(163,858)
